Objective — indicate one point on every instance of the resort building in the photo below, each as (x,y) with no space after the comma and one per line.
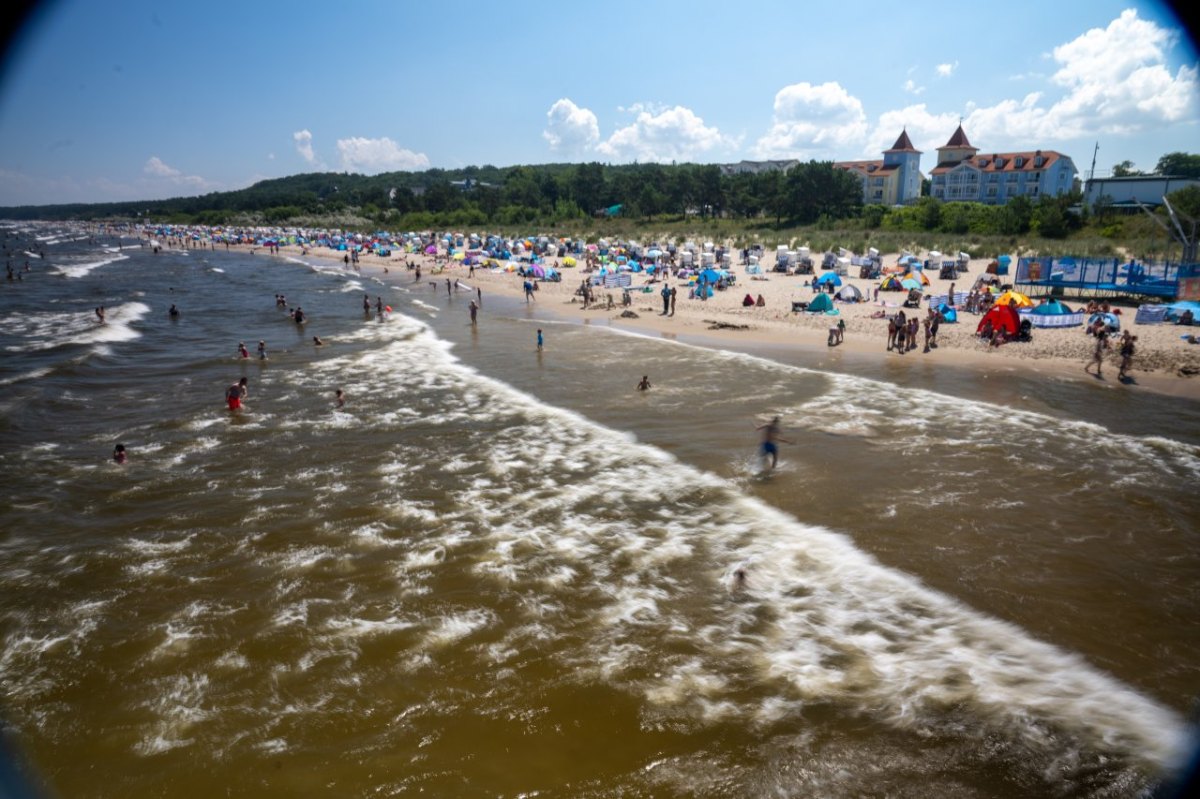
(964,174)
(894,180)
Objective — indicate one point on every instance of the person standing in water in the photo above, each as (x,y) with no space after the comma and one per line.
(541,341)
(645,384)
(236,393)
(242,351)
(770,435)
(119,454)
(262,350)
(474,311)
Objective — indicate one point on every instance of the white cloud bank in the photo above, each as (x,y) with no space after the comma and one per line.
(570,129)
(303,140)
(157,168)
(658,133)
(813,121)
(378,155)
(1112,80)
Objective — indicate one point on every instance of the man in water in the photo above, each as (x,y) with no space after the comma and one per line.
(236,393)
(645,384)
(474,311)
(262,350)
(770,435)
(119,454)
(541,341)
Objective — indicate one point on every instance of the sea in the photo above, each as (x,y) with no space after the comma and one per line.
(504,572)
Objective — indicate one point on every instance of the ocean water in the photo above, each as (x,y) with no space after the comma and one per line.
(508,573)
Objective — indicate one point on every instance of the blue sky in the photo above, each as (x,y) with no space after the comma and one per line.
(130,100)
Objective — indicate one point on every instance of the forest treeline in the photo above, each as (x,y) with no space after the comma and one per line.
(812,193)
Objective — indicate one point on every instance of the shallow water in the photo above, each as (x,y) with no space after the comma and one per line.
(502,572)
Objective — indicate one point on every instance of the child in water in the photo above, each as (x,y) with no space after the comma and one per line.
(119,454)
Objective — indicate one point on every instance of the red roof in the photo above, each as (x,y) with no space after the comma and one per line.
(1008,162)
(903,144)
(959,139)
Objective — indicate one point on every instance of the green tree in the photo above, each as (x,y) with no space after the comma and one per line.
(1124,169)
(1185,165)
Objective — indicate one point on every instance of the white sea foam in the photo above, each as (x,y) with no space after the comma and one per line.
(47,330)
(82,269)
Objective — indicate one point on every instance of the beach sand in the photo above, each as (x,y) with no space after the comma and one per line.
(1163,361)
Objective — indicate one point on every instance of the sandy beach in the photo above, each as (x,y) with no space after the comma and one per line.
(1163,361)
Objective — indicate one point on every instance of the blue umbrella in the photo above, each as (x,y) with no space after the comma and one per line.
(710,276)
(830,277)
(1176,309)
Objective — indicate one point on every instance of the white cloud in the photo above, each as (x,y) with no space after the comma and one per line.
(571,129)
(304,146)
(378,155)
(671,134)
(155,167)
(911,87)
(946,70)
(270,156)
(1111,80)
(811,121)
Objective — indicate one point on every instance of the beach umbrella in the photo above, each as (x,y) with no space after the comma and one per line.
(831,278)
(710,276)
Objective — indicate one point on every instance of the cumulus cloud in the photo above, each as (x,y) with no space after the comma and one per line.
(156,167)
(378,155)
(1111,80)
(813,121)
(304,146)
(911,87)
(946,70)
(1119,72)
(571,129)
(670,134)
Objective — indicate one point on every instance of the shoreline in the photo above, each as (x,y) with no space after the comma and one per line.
(773,328)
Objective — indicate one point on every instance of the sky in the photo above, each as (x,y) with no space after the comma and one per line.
(113,100)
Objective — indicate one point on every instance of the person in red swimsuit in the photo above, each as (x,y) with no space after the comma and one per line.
(235,393)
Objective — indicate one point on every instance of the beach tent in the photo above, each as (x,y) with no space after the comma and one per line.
(831,278)
(1003,318)
(820,304)
(1052,314)
(891,283)
(1111,321)
(918,275)
(1151,314)
(1022,300)
(568,261)
(849,293)
(949,315)
(1002,264)
(710,276)
(1176,309)
(911,283)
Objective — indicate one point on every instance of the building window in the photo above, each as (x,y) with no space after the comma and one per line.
(1011,178)
(878,194)
(878,181)
(1018,162)
(991,192)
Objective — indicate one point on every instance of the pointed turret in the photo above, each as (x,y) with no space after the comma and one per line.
(903,144)
(959,139)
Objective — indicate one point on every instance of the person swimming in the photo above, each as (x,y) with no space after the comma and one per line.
(119,454)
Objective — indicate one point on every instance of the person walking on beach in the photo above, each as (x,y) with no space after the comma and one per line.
(474,311)
(236,393)
(644,385)
(1127,349)
(770,435)
(666,298)
(673,292)
(529,292)
(893,330)
(1098,353)
(540,341)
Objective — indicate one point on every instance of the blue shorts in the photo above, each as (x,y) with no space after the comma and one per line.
(769,448)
